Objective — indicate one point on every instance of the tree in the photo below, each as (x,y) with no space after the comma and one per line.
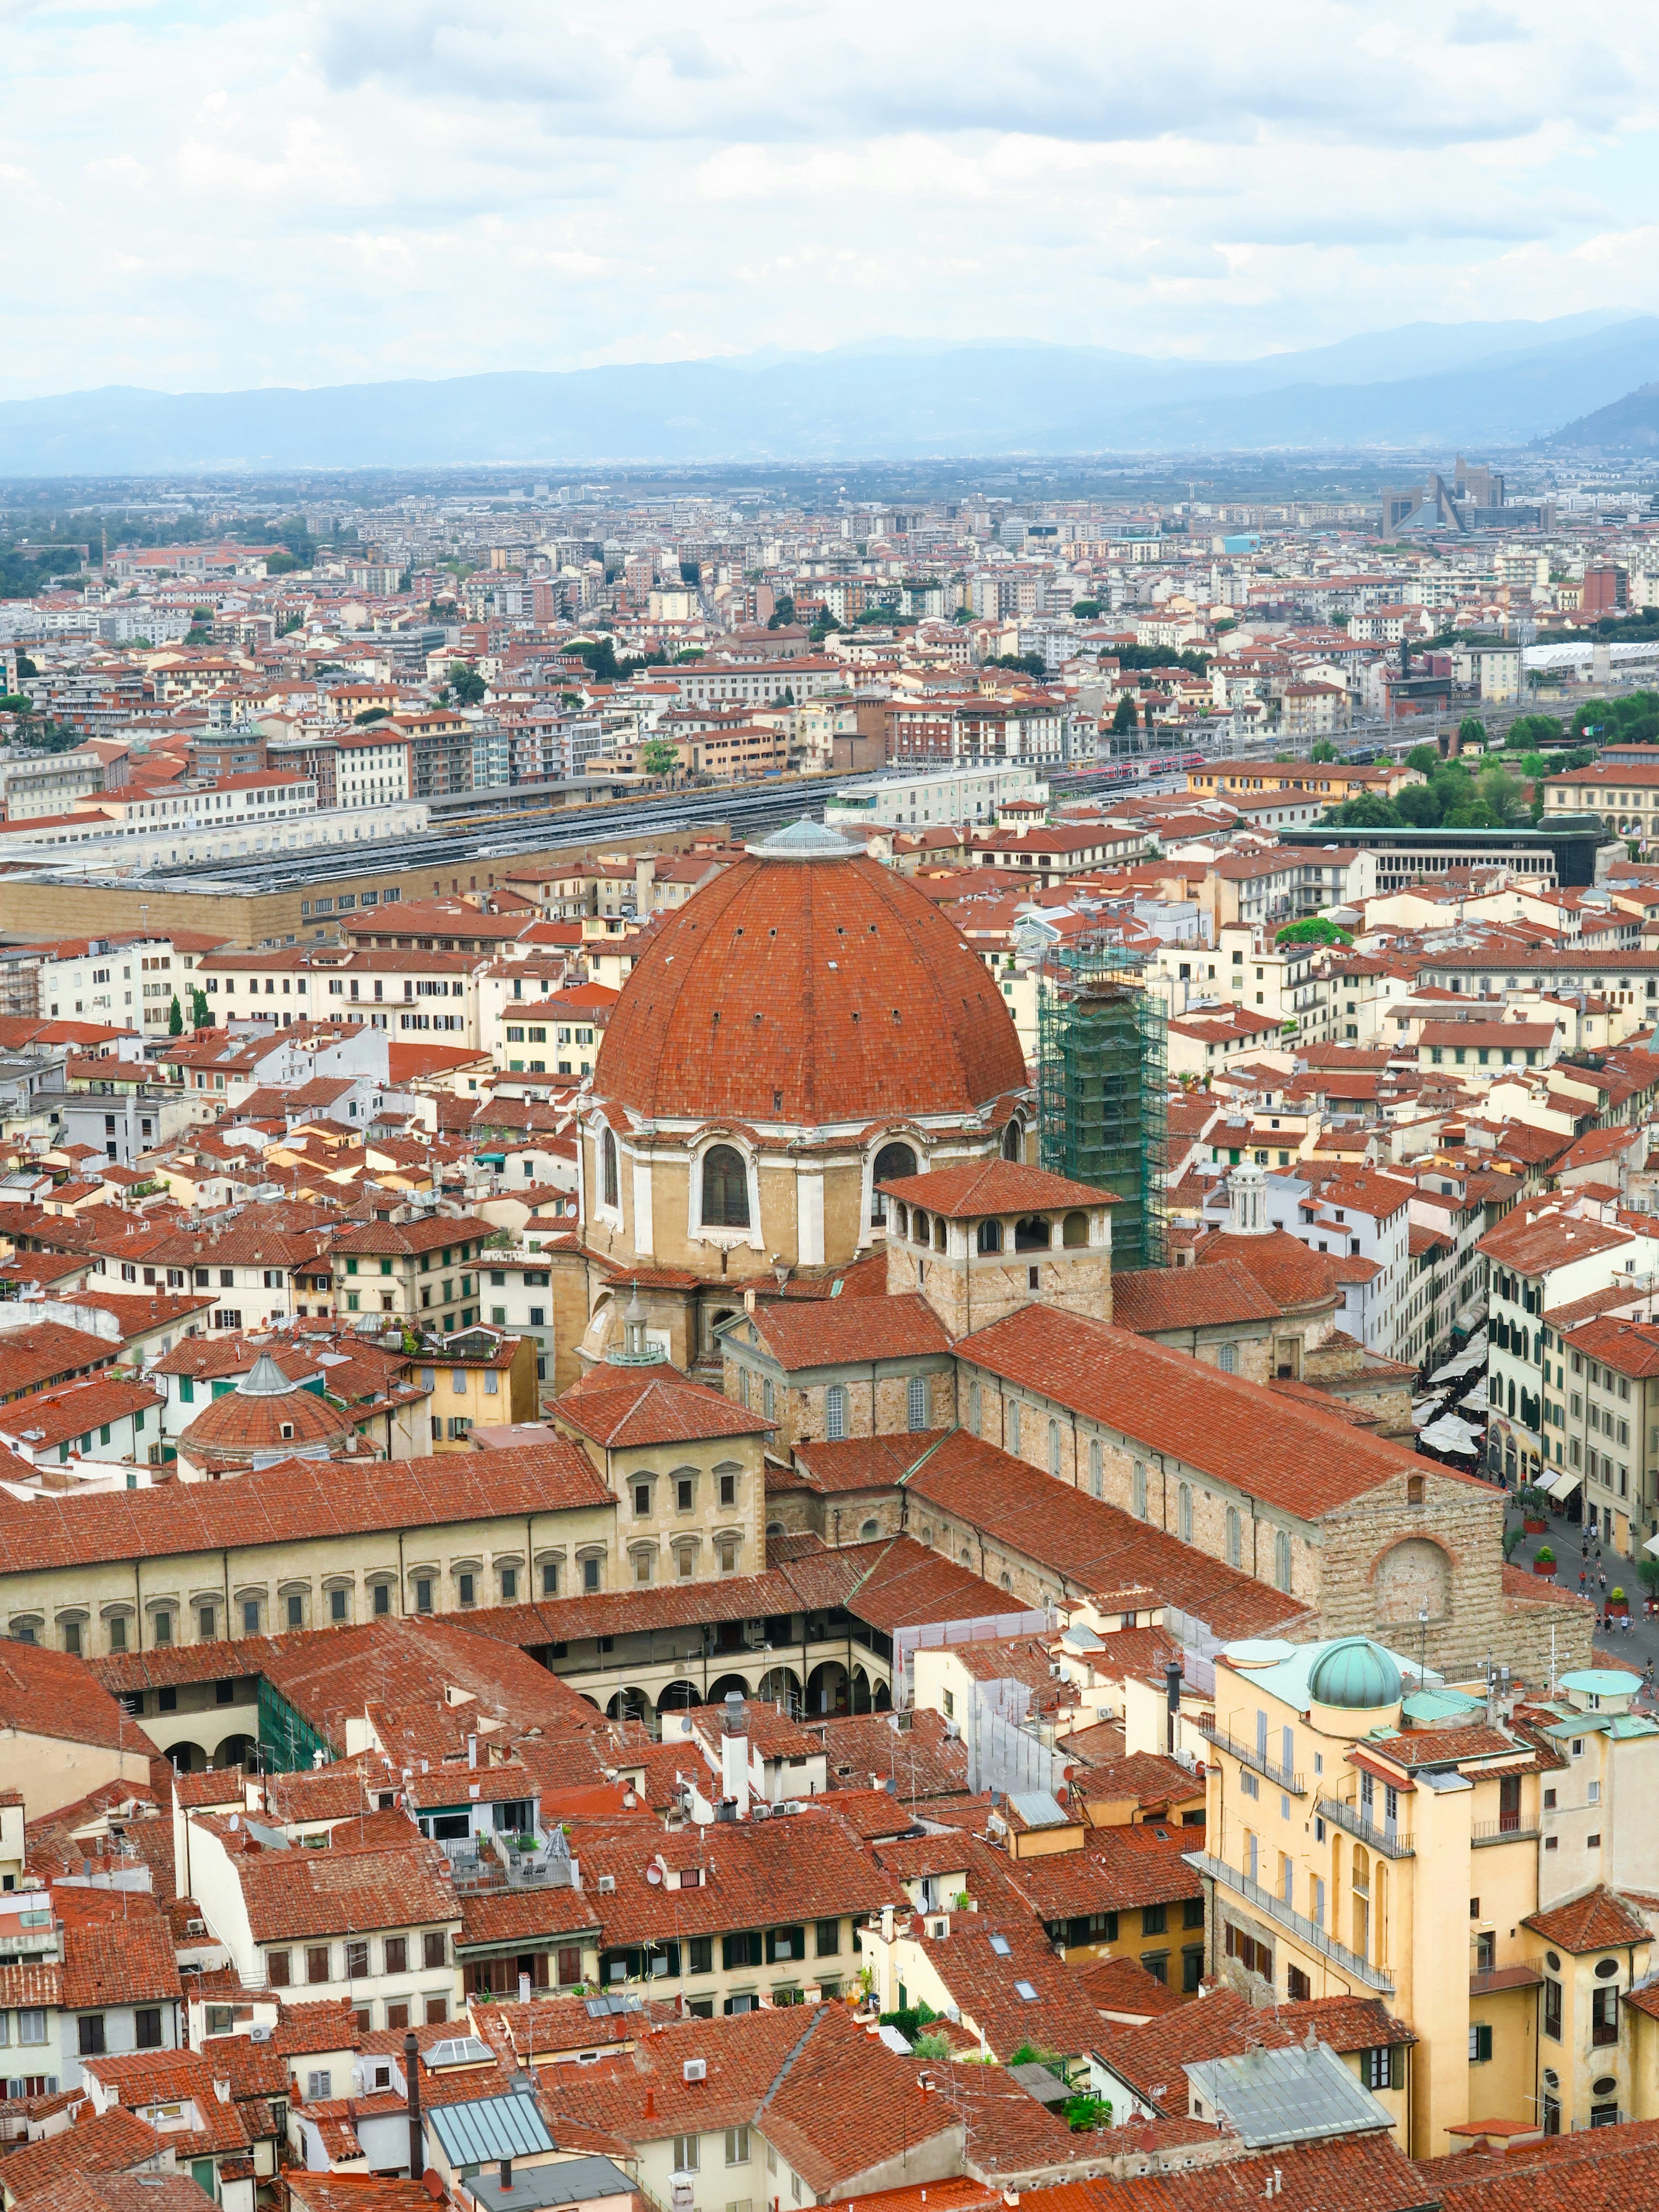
(369,714)
(201,1014)
(1085,610)
(1531,730)
(1148,714)
(176,1018)
(1123,720)
(1028,664)
(198,633)
(1419,803)
(1471,732)
(783,613)
(1323,750)
(1367,812)
(690,572)
(25,667)
(1314,930)
(468,686)
(1425,759)
(660,757)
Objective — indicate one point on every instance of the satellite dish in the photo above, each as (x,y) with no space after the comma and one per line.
(653,1874)
(236,1820)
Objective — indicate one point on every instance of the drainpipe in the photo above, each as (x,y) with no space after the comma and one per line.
(412,2077)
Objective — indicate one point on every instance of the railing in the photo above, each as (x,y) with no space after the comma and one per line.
(1306,1931)
(1505,1829)
(1388,1840)
(1248,1756)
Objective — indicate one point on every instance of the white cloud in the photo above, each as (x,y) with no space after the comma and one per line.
(306,190)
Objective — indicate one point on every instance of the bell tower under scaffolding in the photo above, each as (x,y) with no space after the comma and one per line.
(1101,1106)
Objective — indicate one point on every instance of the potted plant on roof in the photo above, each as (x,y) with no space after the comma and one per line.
(1544,1562)
(1617,1602)
(1534,1507)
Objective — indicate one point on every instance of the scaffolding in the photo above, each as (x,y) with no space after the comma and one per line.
(1101,1106)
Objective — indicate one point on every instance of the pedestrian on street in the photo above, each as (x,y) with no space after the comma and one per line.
(1581,1582)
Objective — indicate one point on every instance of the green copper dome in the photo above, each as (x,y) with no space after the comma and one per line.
(1355,1673)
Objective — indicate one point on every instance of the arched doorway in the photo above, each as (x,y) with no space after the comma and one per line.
(237,1751)
(826,1688)
(628,1706)
(860,1691)
(187,1758)
(723,1685)
(780,1686)
(891,1162)
(678,1697)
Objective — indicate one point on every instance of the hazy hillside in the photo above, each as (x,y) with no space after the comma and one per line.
(1424,385)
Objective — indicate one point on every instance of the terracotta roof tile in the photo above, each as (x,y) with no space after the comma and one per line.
(1597,1921)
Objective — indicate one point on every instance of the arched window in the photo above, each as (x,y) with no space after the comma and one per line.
(1013,1425)
(1234,1547)
(1007,1582)
(1140,1490)
(939,1233)
(609,1180)
(891,1162)
(1184,1512)
(834,1411)
(920,1228)
(1226,1358)
(1013,1142)
(1097,1476)
(990,1237)
(1282,1558)
(1074,1229)
(1031,1235)
(972,1409)
(724,1188)
(916,1403)
(1054,1447)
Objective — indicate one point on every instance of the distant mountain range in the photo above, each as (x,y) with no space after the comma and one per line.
(1425,385)
(1630,425)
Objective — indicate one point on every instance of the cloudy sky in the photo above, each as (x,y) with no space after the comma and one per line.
(211,193)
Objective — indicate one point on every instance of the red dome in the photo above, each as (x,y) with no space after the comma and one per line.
(809,990)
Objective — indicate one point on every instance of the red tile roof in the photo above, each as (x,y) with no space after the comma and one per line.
(1597,1921)
(1210,1421)
(619,1407)
(825,1333)
(993,1186)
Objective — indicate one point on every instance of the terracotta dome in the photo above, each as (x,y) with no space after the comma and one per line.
(808,985)
(266,1418)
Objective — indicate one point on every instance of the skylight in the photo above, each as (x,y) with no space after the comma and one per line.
(1000,1944)
(1024,1990)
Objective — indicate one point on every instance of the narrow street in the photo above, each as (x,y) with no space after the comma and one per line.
(1633,1647)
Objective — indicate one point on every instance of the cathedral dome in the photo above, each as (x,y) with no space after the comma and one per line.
(266,1418)
(809,987)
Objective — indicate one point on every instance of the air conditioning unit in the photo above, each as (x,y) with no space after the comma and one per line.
(695,2070)
(606,1883)
(258,2032)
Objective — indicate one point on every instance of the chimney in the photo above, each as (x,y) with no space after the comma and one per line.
(412,2077)
(472,1751)
(1172,1695)
(735,1753)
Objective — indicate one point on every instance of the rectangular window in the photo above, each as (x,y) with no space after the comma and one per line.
(827,1938)
(356,1961)
(277,1969)
(1154,1919)
(433,1946)
(1379,2066)
(317,1963)
(737,2146)
(91,2027)
(685,2154)
(1479,2042)
(397,1955)
(1553,2009)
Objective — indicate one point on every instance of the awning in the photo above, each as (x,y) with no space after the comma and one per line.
(1652,1544)
(1564,1484)
(1476,1401)
(1449,1434)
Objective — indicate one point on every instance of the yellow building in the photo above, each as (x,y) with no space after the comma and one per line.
(1358,1827)
(478,1379)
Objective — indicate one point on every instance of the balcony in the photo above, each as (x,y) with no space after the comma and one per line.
(1247,1755)
(1507,1828)
(1388,1840)
(1494,1979)
(1305,1930)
